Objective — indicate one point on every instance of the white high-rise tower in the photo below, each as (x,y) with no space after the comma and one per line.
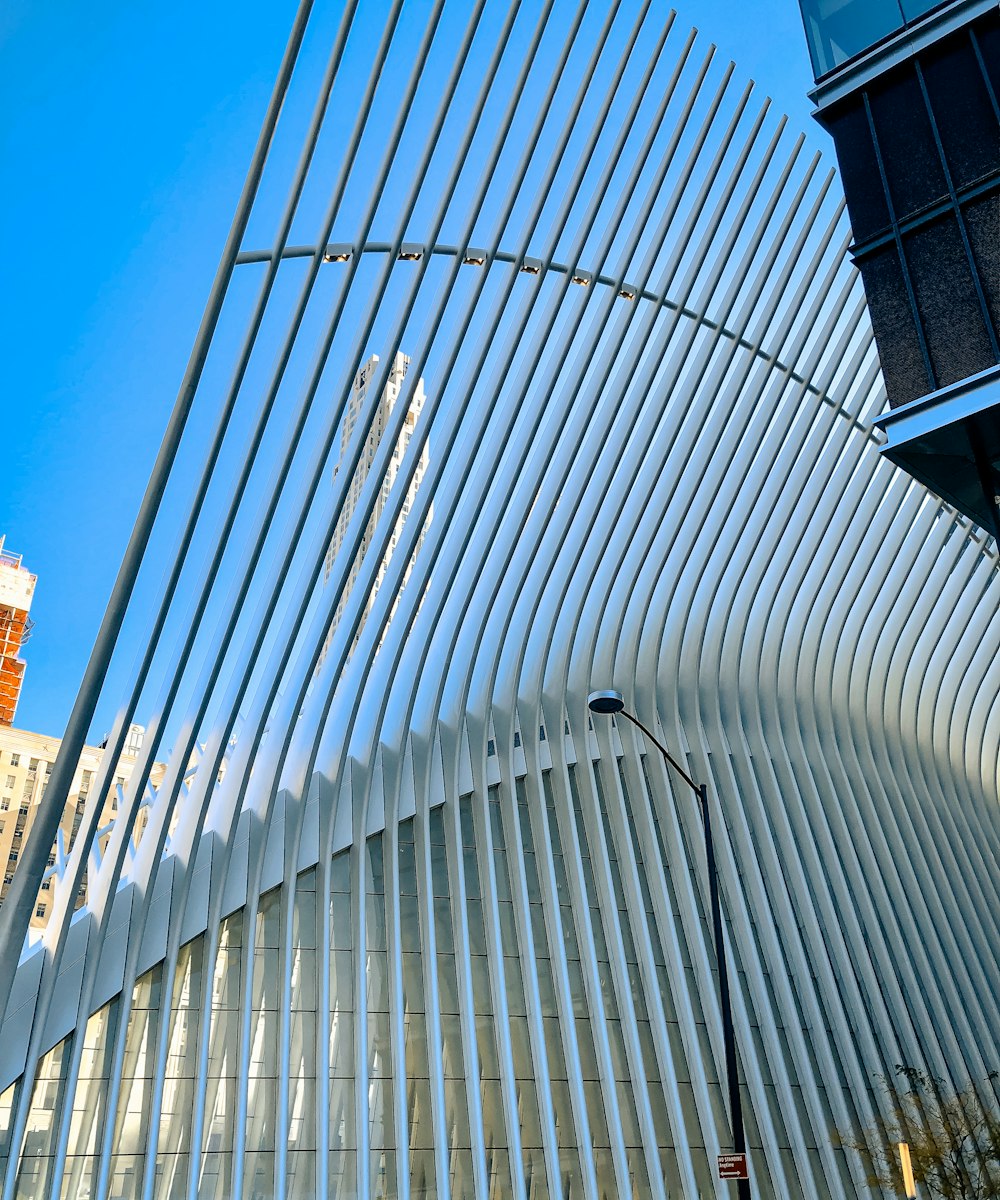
(380,421)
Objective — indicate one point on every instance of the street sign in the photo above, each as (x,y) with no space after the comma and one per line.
(733,1166)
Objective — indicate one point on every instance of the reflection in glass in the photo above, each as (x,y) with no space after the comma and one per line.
(38,1146)
(90,1104)
(839,29)
(262,1085)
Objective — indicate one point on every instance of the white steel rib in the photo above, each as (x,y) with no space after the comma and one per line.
(401,919)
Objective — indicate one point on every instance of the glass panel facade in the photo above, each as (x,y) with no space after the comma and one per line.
(135,1097)
(216,1174)
(840,29)
(381,1137)
(627,1113)
(89,1106)
(38,1149)
(914,9)
(570,1172)
(302,1055)
(342,1165)
(586,1049)
(6,1117)
(456,1105)
(262,1081)
(837,30)
(533,1162)
(494,1128)
(177,1105)
(420,1122)
(556,1030)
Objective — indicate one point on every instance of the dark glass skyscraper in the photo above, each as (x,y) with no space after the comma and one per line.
(909,93)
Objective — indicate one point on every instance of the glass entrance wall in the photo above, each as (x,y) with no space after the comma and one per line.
(488,1012)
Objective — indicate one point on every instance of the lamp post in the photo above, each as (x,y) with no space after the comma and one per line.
(906,1166)
(609,702)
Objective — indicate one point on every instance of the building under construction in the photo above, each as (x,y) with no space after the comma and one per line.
(17,586)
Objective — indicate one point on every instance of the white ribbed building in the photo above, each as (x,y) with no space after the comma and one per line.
(437,933)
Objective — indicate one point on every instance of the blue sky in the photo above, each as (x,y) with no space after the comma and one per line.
(126,132)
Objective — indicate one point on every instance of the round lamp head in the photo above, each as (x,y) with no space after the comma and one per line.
(606,702)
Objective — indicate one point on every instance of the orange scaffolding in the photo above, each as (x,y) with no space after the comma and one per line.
(17,586)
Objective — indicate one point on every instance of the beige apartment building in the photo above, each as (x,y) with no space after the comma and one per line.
(26,762)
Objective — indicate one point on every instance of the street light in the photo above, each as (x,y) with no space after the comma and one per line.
(608,703)
(906,1166)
